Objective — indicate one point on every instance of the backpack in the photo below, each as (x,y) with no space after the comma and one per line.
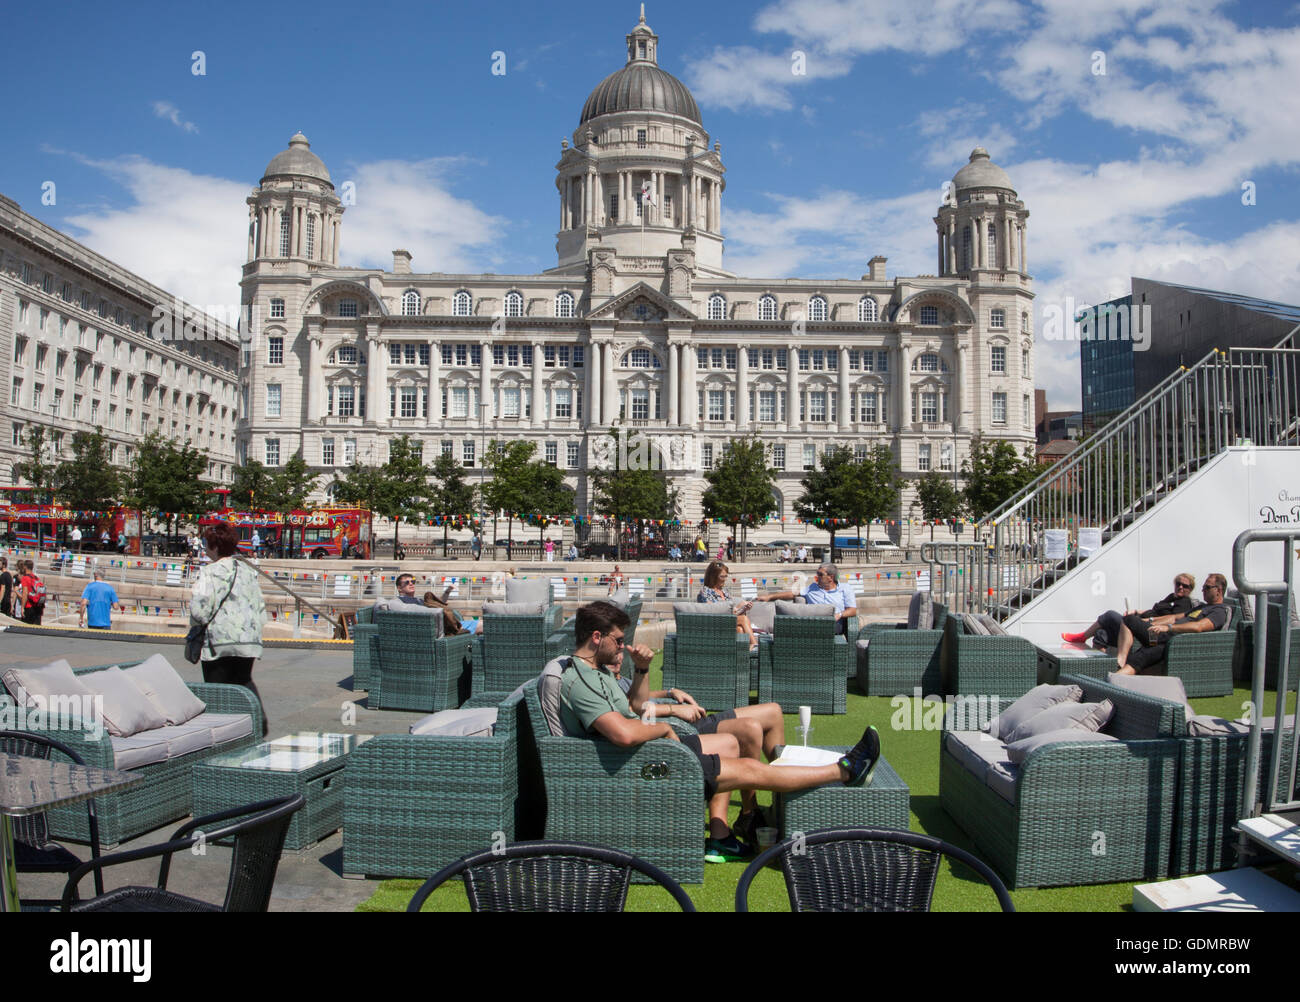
(37,593)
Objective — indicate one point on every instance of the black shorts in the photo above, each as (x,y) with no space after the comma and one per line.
(709,724)
(710,764)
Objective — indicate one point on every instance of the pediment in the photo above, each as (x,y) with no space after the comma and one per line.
(641,303)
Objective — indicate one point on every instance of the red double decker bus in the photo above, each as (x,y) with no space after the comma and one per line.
(26,522)
(328,531)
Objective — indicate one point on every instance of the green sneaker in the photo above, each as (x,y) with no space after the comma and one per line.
(727,850)
(860,762)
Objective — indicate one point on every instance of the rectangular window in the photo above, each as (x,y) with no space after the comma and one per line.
(564,403)
(347,400)
(923,457)
(277,309)
(999,358)
(640,404)
(284,237)
(510,402)
(394,354)
(767,405)
(37,392)
(410,401)
(94,412)
(571,455)
(1027,421)
(272,452)
(945,457)
(768,358)
(817,406)
(273,400)
(275,351)
(804,360)
(347,307)
(16,393)
(819,360)
(446,352)
(717,405)
(462,354)
(640,133)
(809,457)
(552,453)
(548,356)
(327,452)
(349,451)
(20,349)
(1024,362)
(869,412)
(410,352)
(613,207)
(41,352)
(18,434)
(448,447)
(579,356)
(929,407)
(467,452)
(882,361)
(730,354)
(498,354)
(311,235)
(778,457)
(562,355)
(999,408)
(706,455)
(459,402)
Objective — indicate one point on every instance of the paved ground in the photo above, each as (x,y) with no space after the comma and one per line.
(303,690)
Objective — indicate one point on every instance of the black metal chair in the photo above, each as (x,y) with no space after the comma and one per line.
(863,870)
(258,840)
(33,850)
(549,877)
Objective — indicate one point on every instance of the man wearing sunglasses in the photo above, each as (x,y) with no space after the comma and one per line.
(1144,656)
(1105,632)
(593,705)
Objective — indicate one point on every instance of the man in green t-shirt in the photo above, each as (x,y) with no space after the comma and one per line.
(592,704)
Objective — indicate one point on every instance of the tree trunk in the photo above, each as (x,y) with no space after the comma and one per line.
(510,537)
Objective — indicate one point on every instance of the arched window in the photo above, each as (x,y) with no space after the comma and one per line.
(867,310)
(817,309)
(564,305)
(345,354)
(992,261)
(998,318)
(717,307)
(410,303)
(639,358)
(514,304)
(461,304)
(767,308)
(929,316)
(965,249)
(929,362)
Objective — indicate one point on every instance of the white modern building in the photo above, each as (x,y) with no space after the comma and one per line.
(86,345)
(640,325)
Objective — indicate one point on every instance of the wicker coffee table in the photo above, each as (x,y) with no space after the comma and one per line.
(309,763)
(883,804)
(1073,661)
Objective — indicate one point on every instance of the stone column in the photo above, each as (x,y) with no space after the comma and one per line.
(485,381)
(960,396)
(742,388)
(608,391)
(315,374)
(377,388)
(1024,248)
(435,388)
(903,386)
(538,404)
(252,232)
(792,388)
(690,401)
(842,409)
(674,381)
(593,384)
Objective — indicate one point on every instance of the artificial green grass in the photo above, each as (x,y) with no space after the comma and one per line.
(914,754)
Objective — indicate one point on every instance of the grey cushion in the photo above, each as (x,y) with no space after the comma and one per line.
(793,609)
(1084,716)
(1168,687)
(397,603)
(53,679)
(1035,701)
(1002,778)
(991,626)
(1288,722)
(514,609)
(138,750)
(703,609)
(975,751)
(1018,751)
(471,723)
(157,679)
(224,726)
(530,590)
(863,641)
(763,616)
(548,693)
(973,626)
(184,738)
(914,609)
(925,614)
(620,598)
(127,710)
(1205,726)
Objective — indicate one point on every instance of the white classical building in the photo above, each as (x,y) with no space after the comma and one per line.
(639,326)
(82,349)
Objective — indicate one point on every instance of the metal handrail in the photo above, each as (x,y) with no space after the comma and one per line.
(1285,589)
(299,601)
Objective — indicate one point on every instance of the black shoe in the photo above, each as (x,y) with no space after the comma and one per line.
(748,824)
(860,763)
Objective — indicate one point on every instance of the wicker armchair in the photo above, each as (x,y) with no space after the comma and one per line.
(361,634)
(1203,660)
(804,664)
(1244,659)
(167,793)
(413,667)
(707,657)
(1082,812)
(647,801)
(514,648)
(896,660)
(414,803)
(1004,666)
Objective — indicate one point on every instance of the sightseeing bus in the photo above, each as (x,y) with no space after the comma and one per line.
(26,522)
(328,531)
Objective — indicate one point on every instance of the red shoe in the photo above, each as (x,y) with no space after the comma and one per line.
(1074,638)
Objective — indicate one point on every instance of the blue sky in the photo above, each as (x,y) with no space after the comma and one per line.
(1134,170)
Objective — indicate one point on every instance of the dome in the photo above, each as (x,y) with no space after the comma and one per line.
(641,86)
(981,172)
(298,160)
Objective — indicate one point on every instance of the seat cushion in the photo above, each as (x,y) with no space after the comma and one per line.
(138,750)
(53,679)
(528,590)
(972,625)
(620,598)
(763,616)
(863,641)
(1002,778)
(1203,725)
(1035,701)
(185,738)
(224,726)
(472,723)
(975,750)
(163,687)
(991,626)
(920,608)
(703,608)
(548,694)
(807,610)
(1169,687)
(513,609)
(1081,716)
(1018,751)
(126,710)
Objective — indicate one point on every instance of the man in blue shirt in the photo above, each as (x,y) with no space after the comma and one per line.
(825,590)
(97,603)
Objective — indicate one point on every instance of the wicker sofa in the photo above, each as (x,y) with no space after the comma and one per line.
(1077,812)
(167,793)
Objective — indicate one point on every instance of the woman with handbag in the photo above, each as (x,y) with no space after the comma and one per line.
(227,613)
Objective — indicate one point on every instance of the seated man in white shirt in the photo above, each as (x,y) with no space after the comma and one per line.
(824,590)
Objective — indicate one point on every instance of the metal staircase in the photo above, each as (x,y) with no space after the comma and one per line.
(1241,397)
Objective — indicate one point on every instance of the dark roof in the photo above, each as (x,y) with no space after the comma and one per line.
(641,86)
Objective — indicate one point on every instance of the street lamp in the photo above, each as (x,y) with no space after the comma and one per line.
(955,485)
(485,408)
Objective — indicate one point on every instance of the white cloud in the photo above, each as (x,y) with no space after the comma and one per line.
(169,111)
(745,77)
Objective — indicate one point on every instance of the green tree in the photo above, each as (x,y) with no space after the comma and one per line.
(451,498)
(550,499)
(631,488)
(39,469)
(873,489)
(740,485)
(939,499)
(88,481)
(507,490)
(251,486)
(994,472)
(291,484)
(165,476)
(827,491)
(404,484)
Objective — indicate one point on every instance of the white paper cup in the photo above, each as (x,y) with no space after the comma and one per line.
(766,837)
